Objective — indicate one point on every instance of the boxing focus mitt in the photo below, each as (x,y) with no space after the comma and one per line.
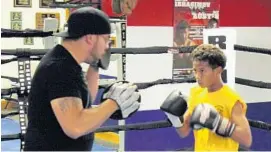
(126,96)
(174,107)
(206,116)
(103,62)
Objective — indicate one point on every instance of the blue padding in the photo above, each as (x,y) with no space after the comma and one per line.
(102,76)
(155,139)
(261,138)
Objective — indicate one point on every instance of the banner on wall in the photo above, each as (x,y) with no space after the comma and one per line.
(190,18)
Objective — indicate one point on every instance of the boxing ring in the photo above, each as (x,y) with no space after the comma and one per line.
(22,84)
(14,122)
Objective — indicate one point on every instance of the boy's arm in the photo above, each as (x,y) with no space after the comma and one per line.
(242,132)
(185,129)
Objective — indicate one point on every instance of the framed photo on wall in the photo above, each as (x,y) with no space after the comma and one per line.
(16,25)
(28,41)
(22,3)
(40,16)
(16,16)
(45,3)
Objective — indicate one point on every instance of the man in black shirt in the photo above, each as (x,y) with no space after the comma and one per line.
(60,116)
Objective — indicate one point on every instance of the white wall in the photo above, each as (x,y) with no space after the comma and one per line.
(251,65)
(145,68)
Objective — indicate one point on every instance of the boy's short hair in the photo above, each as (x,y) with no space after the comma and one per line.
(211,54)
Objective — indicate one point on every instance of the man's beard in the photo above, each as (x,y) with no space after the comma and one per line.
(92,57)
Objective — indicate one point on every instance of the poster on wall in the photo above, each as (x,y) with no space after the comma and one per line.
(190,18)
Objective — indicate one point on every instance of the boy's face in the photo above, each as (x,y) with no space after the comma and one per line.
(204,74)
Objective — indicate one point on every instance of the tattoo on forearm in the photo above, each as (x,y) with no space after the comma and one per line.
(68,102)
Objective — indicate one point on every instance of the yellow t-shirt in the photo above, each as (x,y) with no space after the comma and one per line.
(223,100)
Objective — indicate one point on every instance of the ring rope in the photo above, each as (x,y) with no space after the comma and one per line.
(252,49)
(13,79)
(144,126)
(241,81)
(9,114)
(9,91)
(252,83)
(145,85)
(157,124)
(4,61)
(146,50)
(7,33)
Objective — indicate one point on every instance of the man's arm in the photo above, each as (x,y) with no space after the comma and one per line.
(242,132)
(77,121)
(185,129)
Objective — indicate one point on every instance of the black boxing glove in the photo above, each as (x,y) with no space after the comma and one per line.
(206,116)
(103,62)
(126,96)
(174,107)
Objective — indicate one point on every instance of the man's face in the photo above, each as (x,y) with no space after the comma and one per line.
(100,46)
(204,74)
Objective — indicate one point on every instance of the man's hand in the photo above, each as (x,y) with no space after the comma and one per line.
(174,107)
(206,116)
(126,96)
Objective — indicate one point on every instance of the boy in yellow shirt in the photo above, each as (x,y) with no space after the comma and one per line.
(215,112)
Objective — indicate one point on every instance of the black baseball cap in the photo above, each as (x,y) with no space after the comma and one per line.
(86,20)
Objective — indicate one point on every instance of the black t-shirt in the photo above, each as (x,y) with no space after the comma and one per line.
(57,75)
